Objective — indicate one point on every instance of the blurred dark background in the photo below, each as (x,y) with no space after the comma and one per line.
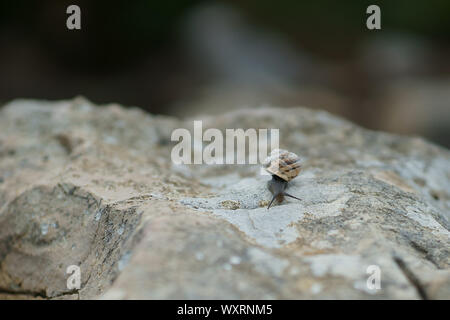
(190,56)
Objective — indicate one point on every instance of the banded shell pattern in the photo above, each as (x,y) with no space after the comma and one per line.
(283,164)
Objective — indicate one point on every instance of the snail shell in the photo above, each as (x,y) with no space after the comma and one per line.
(283,164)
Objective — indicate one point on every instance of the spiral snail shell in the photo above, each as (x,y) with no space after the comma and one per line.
(283,166)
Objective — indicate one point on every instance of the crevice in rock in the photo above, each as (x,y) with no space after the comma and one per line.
(107,242)
(36,294)
(412,278)
(424,253)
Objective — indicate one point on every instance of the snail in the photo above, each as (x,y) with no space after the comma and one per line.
(283,166)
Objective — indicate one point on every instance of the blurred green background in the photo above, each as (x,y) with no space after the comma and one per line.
(188,57)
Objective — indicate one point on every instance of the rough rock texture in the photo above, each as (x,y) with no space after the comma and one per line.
(95,187)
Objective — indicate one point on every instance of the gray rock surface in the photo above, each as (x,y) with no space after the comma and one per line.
(94,187)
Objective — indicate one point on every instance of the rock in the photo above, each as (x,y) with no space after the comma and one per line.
(94,187)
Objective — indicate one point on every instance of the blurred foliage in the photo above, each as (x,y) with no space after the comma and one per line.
(113,31)
(332,27)
(118,32)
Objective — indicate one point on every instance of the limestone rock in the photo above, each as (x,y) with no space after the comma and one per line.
(94,187)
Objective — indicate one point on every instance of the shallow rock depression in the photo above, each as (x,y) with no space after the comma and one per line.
(95,187)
